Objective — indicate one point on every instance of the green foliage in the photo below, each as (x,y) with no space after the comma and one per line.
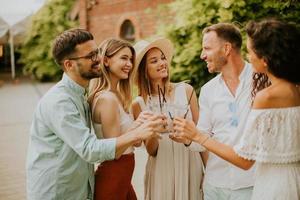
(36,53)
(192,16)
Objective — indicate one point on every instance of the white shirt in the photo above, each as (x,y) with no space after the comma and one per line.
(225,116)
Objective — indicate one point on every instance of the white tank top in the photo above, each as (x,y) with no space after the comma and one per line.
(126,120)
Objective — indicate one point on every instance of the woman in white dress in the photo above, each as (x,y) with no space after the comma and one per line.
(272,134)
(173,172)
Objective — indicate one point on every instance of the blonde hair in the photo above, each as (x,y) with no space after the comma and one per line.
(142,80)
(109,48)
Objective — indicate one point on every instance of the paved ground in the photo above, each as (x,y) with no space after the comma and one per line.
(18,100)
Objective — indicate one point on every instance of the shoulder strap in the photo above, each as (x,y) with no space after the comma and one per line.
(180,93)
(94,103)
(97,98)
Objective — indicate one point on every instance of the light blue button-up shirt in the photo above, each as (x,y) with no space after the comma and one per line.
(62,146)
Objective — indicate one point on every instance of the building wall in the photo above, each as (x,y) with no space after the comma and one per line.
(105,17)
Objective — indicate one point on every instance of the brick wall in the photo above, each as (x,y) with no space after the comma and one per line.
(104,19)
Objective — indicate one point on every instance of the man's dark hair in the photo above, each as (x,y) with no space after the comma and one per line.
(65,43)
(227,32)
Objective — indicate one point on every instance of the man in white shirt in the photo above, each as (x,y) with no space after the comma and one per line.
(225,103)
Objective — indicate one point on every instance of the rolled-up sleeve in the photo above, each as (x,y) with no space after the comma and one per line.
(67,123)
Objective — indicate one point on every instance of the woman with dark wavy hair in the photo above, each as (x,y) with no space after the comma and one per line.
(272,134)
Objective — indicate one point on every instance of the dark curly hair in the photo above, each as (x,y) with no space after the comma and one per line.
(278,43)
(65,43)
(260,81)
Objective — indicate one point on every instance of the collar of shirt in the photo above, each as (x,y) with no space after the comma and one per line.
(73,85)
(242,75)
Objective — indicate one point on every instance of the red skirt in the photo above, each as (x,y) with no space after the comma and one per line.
(113,179)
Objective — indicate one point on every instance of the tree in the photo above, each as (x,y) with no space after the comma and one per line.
(192,16)
(36,53)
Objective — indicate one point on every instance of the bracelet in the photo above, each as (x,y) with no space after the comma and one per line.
(187,145)
(205,140)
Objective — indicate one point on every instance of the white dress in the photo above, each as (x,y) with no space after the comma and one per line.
(176,172)
(272,139)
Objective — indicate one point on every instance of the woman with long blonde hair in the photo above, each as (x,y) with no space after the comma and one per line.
(110,99)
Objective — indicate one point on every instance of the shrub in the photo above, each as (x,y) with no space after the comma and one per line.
(194,15)
(36,53)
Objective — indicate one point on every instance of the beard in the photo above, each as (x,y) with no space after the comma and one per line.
(88,75)
(219,63)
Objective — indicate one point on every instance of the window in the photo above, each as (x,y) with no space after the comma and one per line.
(127,31)
(1,50)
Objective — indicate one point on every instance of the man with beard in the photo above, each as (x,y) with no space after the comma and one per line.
(225,103)
(63,146)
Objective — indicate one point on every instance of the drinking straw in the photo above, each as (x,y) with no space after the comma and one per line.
(171,117)
(159,98)
(165,100)
(189,102)
(160,103)
(149,90)
(163,95)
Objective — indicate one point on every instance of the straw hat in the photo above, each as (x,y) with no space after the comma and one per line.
(143,46)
